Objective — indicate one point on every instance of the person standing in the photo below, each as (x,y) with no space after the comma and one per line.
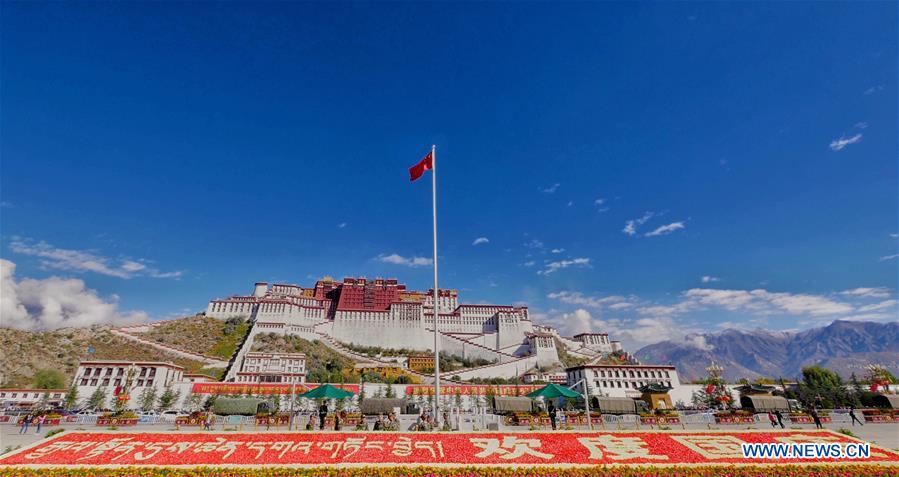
(780,418)
(337,416)
(817,419)
(392,423)
(772,418)
(40,423)
(322,414)
(551,410)
(853,417)
(26,421)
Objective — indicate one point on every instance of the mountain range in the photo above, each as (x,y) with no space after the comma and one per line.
(843,346)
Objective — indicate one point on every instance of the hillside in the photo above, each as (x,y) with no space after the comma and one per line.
(200,334)
(844,346)
(23,353)
(323,365)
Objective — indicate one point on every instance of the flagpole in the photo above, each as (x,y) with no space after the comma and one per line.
(436,295)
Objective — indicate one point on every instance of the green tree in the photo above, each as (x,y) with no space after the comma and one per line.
(71,397)
(818,381)
(390,392)
(97,398)
(48,379)
(209,403)
(361,395)
(168,398)
(147,399)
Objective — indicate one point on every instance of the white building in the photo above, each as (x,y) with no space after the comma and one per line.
(595,341)
(258,367)
(383,313)
(13,398)
(112,375)
(620,380)
(534,375)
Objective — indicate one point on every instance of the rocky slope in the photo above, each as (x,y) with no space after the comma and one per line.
(844,346)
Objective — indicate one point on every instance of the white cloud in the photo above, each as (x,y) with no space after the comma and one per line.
(341,225)
(529,263)
(480,240)
(633,333)
(838,144)
(894,235)
(886,304)
(630,227)
(666,229)
(396,259)
(861,125)
(868,292)
(54,302)
(557,250)
(883,317)
(698,341)
(132,266)
(578,298)
(551,189)
(873,89)
(533,243)
(570,203)
(6,204)
(579,321)
(552,267)
(888,257)
(754,301)
(84,261)
(710,279)
(599,203)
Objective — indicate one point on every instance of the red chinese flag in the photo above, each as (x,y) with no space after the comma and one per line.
(419,169)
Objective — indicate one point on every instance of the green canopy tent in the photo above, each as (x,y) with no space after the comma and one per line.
(326,391)
(552,391)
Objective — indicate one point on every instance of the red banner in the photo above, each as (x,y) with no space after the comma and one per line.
(475,389)
(487,448)
(261,388)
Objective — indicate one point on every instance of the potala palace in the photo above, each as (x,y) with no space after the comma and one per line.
(383,313)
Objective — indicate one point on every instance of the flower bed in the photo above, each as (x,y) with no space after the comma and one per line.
(263,451)
(880,415)
(659,420)
(807,419)
(350,420)
(279,419)
(116,421)
(814,470)
(735,417)
(193,419)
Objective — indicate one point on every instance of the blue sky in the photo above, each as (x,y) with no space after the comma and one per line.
(166,154)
